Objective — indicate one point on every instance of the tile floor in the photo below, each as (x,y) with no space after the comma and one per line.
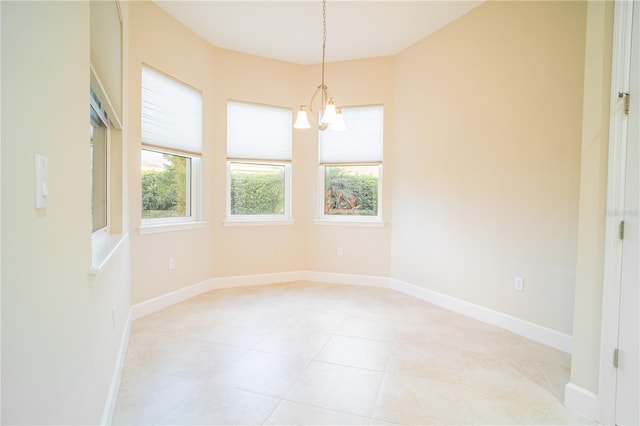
(310,353)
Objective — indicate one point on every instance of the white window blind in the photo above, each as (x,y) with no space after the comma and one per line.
(361,142)
(171,113)
(258,132)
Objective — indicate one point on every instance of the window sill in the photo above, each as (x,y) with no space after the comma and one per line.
(377,223)
(102,250)
(169,227)
(258,222)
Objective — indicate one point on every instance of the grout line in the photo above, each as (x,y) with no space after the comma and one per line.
(327,409)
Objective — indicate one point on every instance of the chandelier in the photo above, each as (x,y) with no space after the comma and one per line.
(330,115)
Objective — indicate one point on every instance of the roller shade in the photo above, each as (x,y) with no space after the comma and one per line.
(361,142)
(258,131)
(171,113)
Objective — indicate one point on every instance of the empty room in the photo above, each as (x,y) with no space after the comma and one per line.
(319,212)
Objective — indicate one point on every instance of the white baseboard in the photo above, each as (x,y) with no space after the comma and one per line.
(112,396)
(348,279)
(148,307)
(519,326)
(583,401)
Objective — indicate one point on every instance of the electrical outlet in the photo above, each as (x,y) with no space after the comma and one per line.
(518,284)
(340,251)
(172,264)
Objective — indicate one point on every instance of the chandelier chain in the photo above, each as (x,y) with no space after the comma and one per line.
(324,36)
(324,23)
(328,113)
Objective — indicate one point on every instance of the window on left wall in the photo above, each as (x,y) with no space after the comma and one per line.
(98,163)
(171,151)
(105,162)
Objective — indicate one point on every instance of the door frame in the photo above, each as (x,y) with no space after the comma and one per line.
(618,129)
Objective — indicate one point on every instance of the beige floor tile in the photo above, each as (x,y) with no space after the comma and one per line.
(415,401)
(356,352)
(264,373)
(512,411)
(497,378)
(336,387)
(418,333)
(501,394)
(293,341)
(229,355)
(294,413)
(421,313)
(520,409)
(313,319)
(427,360)
(235,333)
(475,336)
(367,327)
(378,422)
(256,314)
(193,357)
(218,405)
(179,354)
(145,397)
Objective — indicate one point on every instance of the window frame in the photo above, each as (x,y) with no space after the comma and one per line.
(325,219)
(261,220)
(194,219)
(193,194)
(349,220)
(95,104)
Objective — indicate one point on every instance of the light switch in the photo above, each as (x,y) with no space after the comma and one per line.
(42,181)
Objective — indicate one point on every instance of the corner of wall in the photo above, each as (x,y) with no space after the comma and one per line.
(582,400)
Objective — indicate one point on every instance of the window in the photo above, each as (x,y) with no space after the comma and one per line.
(98,154)
(258,163)
(350,171)
(166,185)
(171,149)
(105,155)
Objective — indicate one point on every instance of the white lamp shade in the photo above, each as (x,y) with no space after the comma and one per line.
(338,124)
(302,121)
(329,115)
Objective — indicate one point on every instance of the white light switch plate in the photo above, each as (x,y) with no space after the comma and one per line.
(41,181)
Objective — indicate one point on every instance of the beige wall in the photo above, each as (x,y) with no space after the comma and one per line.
(492,169)
(593,196)
(246,250)
(59,344)
(214,250)
(487,159)
(217,250)
(164,44)
(366,249)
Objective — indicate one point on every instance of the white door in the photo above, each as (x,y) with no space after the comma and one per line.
(627,411)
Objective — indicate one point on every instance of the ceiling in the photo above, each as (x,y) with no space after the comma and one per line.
(291,30)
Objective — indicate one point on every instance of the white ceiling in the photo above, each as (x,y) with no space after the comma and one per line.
(291,30)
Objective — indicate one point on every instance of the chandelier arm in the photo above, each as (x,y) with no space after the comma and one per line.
(310,106)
